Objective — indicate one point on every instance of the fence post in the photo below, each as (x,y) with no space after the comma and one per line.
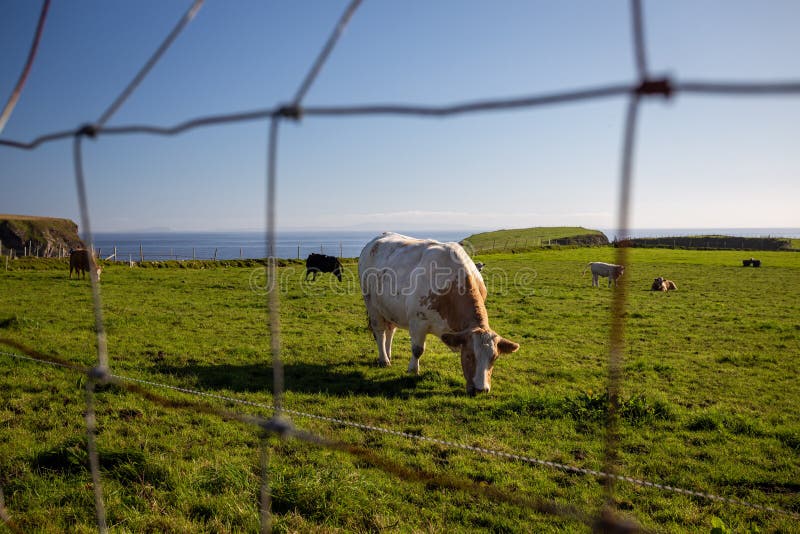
(130,260)
(240,253)
(194,257)
(215,254)
(320,249)
(340,249)
(141,253)
(298,251)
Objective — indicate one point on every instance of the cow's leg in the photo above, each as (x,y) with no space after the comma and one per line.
(594,280)
(417,347)
(380,327)
(387,340)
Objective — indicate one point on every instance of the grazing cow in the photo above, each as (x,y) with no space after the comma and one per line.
(320,263)
(480,265)
(607,270)
(751,261)
(428,287)
(662,284)
(81,263)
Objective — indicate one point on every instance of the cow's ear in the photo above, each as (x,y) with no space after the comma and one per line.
(454,341)
(506,346)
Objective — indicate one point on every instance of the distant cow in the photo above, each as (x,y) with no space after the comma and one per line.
(662,284)
(320,263)
(606,270)
(751,261)
(428,287)
(81,263)
(480,265)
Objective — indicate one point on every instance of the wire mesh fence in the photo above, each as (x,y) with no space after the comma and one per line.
(279,424)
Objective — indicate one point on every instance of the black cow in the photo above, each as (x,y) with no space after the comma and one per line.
(320,263)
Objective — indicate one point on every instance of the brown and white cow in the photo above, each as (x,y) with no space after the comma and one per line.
(428,287)
(607,270)
(662,284)
(80,262)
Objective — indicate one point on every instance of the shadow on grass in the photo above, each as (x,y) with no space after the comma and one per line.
(331,379)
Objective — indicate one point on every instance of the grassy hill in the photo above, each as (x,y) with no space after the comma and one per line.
(39,236)
(529,238)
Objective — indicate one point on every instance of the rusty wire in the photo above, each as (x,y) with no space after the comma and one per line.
(38,357)
(26,70)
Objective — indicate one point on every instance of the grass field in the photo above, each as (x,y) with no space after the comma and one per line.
(710,399)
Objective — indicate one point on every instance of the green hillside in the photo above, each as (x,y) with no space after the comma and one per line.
(528,238)
(38,236)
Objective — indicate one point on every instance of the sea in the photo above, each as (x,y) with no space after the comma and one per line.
(175,245)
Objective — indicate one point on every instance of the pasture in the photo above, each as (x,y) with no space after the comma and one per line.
(710,399)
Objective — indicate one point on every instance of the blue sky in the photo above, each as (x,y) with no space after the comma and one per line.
(700,161)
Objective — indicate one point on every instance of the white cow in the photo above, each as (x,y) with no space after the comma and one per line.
(428,287)
(608,270)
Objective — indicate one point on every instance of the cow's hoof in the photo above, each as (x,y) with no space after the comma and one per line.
(386,363)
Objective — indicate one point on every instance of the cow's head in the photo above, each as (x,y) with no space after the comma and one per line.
(479,350)
(98,271)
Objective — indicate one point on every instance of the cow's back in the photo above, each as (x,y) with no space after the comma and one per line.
(402,276)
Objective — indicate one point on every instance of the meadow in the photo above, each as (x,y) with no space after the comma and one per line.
(709,400)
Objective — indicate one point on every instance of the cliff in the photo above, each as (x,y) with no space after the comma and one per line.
(41,236)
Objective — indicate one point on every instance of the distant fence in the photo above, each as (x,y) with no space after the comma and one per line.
(709,243)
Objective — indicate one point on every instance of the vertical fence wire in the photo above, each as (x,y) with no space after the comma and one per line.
(17,92)
(618,303)
(325,52)
(616,334)
(186,19)
(102,347)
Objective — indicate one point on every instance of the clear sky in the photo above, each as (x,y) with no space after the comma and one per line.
(700,161)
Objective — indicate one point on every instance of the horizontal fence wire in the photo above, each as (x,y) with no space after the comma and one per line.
(664,87)
(50,360)
(286,429)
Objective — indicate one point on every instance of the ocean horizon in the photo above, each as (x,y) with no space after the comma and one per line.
(248,244)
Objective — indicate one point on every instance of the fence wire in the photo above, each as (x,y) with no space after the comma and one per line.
(124,382)
(26,70)
(278,425)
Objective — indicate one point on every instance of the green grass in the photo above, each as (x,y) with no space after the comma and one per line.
(529,238)
(709,401)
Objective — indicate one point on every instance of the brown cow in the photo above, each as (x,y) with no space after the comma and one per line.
(80,262)
(662,284)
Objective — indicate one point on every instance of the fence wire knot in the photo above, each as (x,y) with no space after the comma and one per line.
(290,111)
(277,425)
(99,374)
(662,87)
(87,130)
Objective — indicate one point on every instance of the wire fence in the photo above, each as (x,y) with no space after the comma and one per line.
(278,424)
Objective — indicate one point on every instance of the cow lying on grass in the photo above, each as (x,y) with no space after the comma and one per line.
(606,270)
(81,263)
(662,284)
(320,263)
